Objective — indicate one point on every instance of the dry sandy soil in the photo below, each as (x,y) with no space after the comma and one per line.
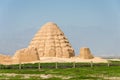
(74,59)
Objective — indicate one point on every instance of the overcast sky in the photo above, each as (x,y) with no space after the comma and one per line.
(86,23)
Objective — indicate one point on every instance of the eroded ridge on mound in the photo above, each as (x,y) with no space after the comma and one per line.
(5,59)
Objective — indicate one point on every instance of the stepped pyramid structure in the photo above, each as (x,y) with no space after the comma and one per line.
(49,41)
(85,53)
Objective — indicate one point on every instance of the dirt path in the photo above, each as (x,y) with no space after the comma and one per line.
(26,76)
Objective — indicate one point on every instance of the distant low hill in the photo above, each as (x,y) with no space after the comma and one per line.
(112,57)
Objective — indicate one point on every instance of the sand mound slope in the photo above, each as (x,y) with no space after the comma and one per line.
(5,59)
(73,59)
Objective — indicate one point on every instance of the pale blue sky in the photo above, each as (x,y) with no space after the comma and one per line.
(86,23)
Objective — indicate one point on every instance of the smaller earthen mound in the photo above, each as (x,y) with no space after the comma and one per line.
(85,53)
(26,55)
